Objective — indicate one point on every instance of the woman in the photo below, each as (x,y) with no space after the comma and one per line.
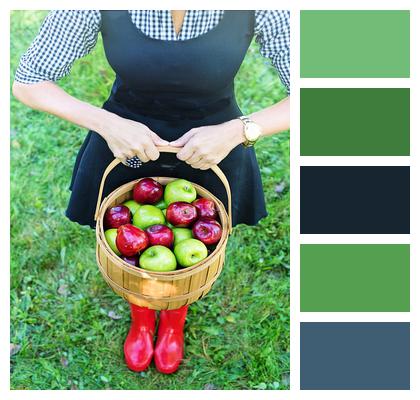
(174,86)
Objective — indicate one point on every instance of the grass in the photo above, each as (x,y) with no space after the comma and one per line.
(62,335)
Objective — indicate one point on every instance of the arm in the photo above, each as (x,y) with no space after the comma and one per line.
(273,119)
(125,138)
(50,57)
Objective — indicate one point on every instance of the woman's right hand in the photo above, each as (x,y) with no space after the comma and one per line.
(127,138)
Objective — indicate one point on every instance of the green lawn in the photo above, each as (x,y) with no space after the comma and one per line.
(236,338)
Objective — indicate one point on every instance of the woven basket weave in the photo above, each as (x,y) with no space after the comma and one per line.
(159,290)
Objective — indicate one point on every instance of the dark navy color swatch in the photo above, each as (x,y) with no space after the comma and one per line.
(349,200)
(355,355)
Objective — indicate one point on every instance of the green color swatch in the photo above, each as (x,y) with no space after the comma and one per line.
(355,122)
(355,277)
(355,44)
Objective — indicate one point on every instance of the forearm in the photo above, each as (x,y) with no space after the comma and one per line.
(273,119)
(50,98)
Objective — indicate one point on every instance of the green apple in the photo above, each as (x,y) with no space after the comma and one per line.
(158,258)
(181,234)
(179,190)
(190,252)
(160,204)
(111,236)
(148,215)
(132,205)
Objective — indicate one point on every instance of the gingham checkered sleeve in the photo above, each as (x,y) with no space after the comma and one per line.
(272,33)
(64,37)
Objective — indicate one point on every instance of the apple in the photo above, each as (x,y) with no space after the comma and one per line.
(190,252)
(160,235)
(158,258)
(132,205)
(117,216)
(133,260)
(179,190)
(207,230)
(160,204)
(148,215)
(131,240)
(205,208)
(147,191)
(181,214)
(181,234)
(110,236)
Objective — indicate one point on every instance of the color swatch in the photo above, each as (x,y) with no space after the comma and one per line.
(355,44)
(355,277)
(349,200)
(355,122)
(355,355)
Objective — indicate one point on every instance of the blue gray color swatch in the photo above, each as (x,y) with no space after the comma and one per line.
(355,355)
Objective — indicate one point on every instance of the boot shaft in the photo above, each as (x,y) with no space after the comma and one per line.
(143,317)
(173,320)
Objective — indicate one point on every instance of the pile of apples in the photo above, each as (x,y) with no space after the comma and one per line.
(163,227)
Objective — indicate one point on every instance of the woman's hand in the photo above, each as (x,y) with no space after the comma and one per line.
(206,146)
(127,138)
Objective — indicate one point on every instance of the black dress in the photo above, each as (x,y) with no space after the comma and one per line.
(171,87)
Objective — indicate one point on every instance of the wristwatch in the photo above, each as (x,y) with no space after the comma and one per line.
(252,131)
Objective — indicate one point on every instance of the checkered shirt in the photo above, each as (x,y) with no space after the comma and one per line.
(67,35)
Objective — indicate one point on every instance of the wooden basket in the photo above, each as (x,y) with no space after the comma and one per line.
(160,290)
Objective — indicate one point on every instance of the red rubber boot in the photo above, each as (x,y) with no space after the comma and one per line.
(138,346)
(169,348)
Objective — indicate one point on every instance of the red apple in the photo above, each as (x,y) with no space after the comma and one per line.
(207,230)
(147,191)
(117,216)
(205,208)
(131,240)
(160,235)
(181,214)
(133,260)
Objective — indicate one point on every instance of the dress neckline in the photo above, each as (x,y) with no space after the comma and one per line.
(211,31)
(184,18)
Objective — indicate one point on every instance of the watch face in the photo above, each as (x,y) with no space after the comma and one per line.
(253,132)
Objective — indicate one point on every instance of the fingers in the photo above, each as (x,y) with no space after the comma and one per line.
(129,138)
(202,164)
(186,153)
(146,150)
(142,155)
(152,152)
(195,158)
(122,157)
(182,141)
(158,141)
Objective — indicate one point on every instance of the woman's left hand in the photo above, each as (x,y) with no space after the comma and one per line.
(206,146)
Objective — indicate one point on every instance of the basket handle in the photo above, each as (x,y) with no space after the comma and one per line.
(169,149)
